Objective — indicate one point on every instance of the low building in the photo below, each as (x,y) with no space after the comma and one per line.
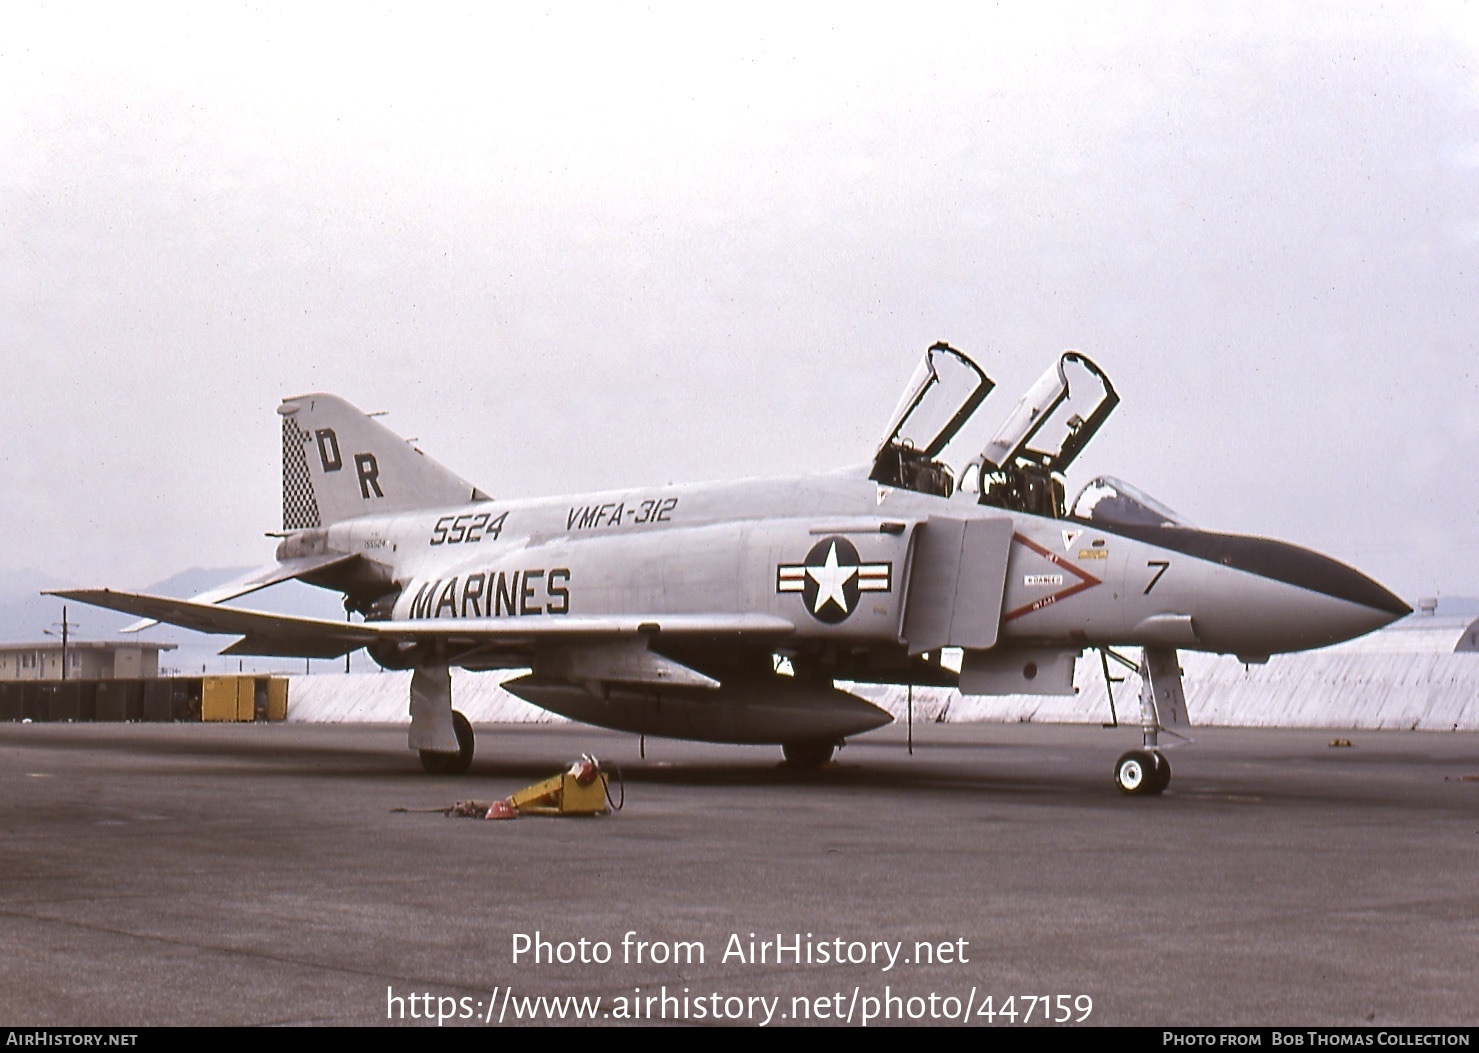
(85,660)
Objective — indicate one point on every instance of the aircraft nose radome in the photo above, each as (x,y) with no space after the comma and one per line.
(1367,607)
(1351,603)
(1292,565)
(1320,573)
(1306,599)
(1388,603)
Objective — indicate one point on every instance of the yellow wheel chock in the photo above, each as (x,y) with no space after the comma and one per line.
(580,790)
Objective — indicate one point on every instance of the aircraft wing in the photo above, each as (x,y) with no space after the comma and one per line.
(286,635)
(254,580)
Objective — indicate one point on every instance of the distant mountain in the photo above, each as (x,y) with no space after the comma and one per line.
(194,581)
(14,581)
(25,614)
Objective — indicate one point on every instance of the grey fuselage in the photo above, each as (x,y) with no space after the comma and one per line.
(763,547)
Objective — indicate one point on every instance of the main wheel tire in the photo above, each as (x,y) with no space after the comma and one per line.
(437,763)
(1138,773)
(811,754)
(1162,772)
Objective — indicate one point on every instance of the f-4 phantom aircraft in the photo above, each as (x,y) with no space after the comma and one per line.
(731,612)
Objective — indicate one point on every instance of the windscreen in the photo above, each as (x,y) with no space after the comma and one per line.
(1113,502)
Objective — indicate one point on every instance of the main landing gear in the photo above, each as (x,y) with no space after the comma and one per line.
(441,736)
(439,763)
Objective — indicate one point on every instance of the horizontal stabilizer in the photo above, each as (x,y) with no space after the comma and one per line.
(317,637)
(210,618)
(299,647)
(255,580)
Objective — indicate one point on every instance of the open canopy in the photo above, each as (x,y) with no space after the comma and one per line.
(1022,466)
(1057,417)
(944,392)
(942,395)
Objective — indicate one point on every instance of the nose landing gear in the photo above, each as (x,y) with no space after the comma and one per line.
(1146,772)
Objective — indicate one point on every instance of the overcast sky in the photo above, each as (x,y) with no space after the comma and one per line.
(595,246)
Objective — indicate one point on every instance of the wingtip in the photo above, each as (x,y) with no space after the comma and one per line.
(80,595)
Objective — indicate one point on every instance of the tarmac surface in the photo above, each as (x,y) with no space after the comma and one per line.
(266,874)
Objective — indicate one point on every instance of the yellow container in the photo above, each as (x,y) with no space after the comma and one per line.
(277,698)
(218,698)
(246,698)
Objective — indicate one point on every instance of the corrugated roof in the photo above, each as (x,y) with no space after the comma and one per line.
(1418,634)
(87,645)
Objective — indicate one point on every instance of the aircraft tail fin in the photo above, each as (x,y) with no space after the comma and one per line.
(338,462)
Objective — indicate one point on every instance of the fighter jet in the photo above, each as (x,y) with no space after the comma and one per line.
(741,612)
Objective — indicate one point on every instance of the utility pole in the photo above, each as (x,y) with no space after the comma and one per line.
(65,625)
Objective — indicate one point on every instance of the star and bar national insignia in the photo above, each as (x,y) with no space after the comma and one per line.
(832,578)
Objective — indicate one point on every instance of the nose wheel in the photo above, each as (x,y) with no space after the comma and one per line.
(1142,773)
